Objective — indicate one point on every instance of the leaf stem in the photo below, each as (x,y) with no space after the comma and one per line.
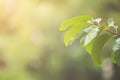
(114,33)
(111,32)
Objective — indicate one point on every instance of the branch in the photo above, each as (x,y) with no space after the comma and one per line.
(114,33)
(109,31)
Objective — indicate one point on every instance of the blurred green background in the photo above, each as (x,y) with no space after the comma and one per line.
(32,47)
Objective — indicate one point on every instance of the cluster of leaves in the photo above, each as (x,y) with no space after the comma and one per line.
(93,35)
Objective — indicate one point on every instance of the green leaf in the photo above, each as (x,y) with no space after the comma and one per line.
(105,27)
(89,46)
(73,31)
(113,58)
(117,57)
(117,45)
(98,46)
(89,37)
(89,29)
(76,36)
(73,21)
(116,52)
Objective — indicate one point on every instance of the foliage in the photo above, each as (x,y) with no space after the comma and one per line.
(93,35)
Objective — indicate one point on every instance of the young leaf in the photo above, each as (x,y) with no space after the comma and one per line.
(111,22)
(104,26)
(73,21)
(98,46)
(73,31)
(98,20)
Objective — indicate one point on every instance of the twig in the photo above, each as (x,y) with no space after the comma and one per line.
(111,32)
(114,33)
